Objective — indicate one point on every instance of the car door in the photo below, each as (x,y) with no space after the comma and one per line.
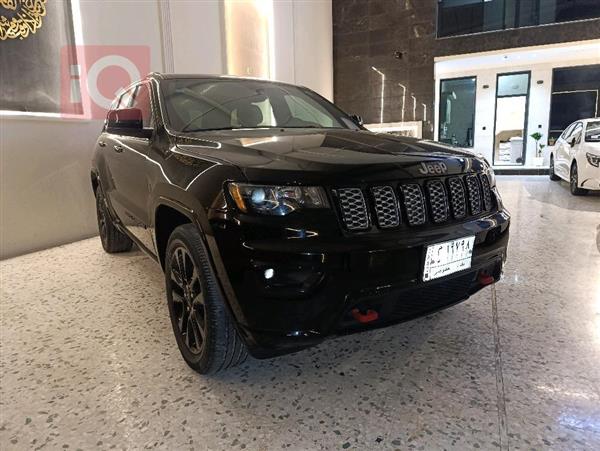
(570,147)
(561,153)
(127,165)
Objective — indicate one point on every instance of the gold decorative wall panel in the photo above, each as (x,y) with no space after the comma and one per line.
(20,18)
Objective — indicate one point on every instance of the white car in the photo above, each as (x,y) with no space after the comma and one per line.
(575,156)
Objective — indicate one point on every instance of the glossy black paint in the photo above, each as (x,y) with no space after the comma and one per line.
(322,270)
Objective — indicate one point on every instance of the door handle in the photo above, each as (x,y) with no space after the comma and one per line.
(118,148)
(101,143)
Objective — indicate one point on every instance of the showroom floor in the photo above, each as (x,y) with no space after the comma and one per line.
(88,357)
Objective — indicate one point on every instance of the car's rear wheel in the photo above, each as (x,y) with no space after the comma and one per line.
(203,327)
(553,175)
(574,182)
(113,240)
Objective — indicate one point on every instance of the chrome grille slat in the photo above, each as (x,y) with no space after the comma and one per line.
(437,201)
(487,192)
(386,207)
(474,194)
(457,197)
(414,203)
(354,208)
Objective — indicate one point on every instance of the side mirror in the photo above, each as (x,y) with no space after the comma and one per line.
(358,120)
(573,141)
(128,121)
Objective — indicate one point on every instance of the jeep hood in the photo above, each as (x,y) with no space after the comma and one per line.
(326,156)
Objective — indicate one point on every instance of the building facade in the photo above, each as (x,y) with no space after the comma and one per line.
(480,74)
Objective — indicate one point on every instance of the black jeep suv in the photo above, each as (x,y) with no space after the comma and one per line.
(279,220)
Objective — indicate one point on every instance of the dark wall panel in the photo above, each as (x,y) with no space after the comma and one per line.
(398,37)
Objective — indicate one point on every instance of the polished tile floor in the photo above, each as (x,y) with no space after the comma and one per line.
(88,359)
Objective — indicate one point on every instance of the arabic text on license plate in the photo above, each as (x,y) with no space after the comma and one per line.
(448,257)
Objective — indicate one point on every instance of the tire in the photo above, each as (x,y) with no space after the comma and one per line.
(574,182)
(553,175)
(203,327)
(113,240)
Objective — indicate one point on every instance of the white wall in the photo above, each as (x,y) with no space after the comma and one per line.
(45,194)
(539,60)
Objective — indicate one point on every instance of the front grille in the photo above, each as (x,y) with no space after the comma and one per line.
(414,203)
(487,192)
(435,200)
(438,201)
(457,197)
(386,207)
(354,208)
(474,194)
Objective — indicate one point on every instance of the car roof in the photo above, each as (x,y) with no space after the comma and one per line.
(161,76)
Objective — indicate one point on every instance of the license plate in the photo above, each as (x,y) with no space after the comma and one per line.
(447,258)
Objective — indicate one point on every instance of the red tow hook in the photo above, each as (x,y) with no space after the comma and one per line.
(371,315)
(485,278)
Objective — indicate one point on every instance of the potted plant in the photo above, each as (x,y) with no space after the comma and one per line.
(538,159)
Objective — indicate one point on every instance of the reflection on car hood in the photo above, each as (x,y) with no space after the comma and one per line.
(361,156)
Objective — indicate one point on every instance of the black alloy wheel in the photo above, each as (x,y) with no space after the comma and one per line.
(188,300)
(202,324)
(574,182)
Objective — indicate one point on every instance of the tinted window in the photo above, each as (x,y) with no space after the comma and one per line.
(592,133)
(456,17)
(513,85)
(457,111)
(203,104)
(141,100)
(576,133)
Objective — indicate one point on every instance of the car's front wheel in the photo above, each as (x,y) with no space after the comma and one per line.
(553,175)
(203,328)
(113,240)
(574,182)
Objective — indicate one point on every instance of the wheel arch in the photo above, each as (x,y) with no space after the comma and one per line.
(95,179)
(168,215)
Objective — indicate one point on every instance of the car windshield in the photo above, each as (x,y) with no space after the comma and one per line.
(225,104)
(592,133)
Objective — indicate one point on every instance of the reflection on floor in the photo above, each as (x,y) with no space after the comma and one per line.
(88,358)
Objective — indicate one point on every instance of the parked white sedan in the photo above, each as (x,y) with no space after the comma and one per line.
(575,156)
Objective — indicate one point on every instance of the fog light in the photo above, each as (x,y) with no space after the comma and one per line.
(269,273)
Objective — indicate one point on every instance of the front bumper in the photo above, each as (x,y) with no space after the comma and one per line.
(589,176)
(293,293)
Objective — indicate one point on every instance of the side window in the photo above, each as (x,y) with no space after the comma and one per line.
(576,133)
(141,100)
(126,99)
(567,132)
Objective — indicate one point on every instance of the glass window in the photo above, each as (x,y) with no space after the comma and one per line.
(204,104)
(142,101)
(576,133)
(513,85)
(592,132)
(456,17)
(567,131)
(457,111)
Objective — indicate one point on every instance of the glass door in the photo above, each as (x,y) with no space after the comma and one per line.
(510,128)
(457,111)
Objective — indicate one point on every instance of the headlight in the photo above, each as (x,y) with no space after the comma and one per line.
(592,159)
(276,200)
